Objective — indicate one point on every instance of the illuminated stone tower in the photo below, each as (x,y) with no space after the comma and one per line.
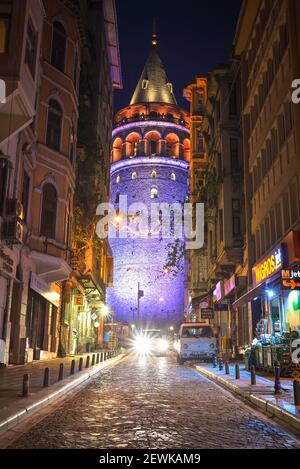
(150,163)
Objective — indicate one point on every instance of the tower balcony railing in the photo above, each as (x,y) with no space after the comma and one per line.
(151,117)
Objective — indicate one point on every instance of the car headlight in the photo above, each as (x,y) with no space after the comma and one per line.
(142,345)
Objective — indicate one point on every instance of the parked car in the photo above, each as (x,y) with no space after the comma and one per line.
(196,341)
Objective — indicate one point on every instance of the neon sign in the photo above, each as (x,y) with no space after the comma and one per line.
(268,266)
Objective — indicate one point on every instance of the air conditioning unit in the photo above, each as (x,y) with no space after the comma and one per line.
(14,208)
(14,231)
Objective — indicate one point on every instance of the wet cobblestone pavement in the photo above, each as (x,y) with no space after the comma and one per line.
(154,403)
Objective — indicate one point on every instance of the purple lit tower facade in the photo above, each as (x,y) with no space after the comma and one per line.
(150,163)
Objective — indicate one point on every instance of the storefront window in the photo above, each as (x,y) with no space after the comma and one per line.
(275,315)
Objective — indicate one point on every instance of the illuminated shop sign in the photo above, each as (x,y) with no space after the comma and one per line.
(290,278)
(268,266)
(229,285)
(207,313)
(218,291)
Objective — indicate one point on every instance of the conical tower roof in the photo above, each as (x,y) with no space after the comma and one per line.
(153,85)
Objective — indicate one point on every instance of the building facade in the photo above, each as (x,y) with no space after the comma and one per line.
(150,155)
(196,260)
(39,125)
(267,41)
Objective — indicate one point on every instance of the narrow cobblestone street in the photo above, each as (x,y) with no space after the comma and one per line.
(152,402)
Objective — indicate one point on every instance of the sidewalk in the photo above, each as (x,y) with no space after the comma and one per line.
(14,408)
(261,395)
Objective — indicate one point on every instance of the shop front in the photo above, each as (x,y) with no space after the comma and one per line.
(275,306)
(42,319)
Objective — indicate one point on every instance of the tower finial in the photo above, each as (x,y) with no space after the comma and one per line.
(154,35)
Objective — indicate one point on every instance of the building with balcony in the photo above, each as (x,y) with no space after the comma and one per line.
(268,44)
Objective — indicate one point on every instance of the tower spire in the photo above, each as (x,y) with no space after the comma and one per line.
(154,35)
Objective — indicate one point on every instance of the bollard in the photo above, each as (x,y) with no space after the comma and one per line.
(101,357)
(93,359)
(296,386)
(215,362)
(80,364)
(46,377)
(72,370)
(87,364)
(25,390)
(221,366)
(277,385)
(227,368)
(253,375)
(105,356)
(237,371)
(61,372)
(98,358)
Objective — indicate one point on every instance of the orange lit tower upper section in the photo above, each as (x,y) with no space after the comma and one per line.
(153,124)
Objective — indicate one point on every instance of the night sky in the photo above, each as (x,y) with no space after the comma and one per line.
(194,36)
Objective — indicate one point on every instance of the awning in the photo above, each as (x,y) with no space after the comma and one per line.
(198,299)
(249,296)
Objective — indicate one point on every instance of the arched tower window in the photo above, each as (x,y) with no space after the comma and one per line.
(172,145)
(54,125)
(134,175)
(154,193)
(132,144)
(154,174)
(59,40)
(152,139)
(49,209)
(187,150)
(117,149)
(118,179)
(173,177)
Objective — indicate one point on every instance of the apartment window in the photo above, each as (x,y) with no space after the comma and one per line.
(233,100)
(262,239)
(288,117)
(25,194)
(236,217)
(257,244)
(294,202)
(54,125)
(49,208)
(272,226)
(269,153)
(31,47)
(72,144)
(234,154)
(274,144)
(5,20)
(268,234)
(286,211)
(221,225)
(59,40)
(281,129)
(263,162)
(278,220)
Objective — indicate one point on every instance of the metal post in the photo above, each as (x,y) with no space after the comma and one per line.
(87,364)
(277,385)
(80,364)
(253,375)
(72,371)
(98,358)
(296,386)
(93,359)
(227,371)
(25,390)
(61,372)
(220,364)
(237,371)
(46,377)
(101,357)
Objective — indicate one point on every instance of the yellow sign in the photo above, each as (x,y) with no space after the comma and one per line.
(267,267)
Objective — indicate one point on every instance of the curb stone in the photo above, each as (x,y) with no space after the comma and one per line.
(68,387)
(268,408)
